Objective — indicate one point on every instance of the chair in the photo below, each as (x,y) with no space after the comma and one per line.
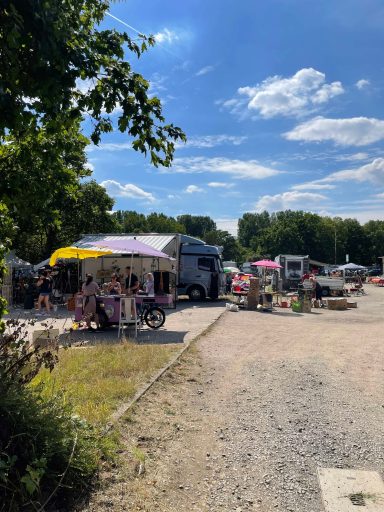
(128,314)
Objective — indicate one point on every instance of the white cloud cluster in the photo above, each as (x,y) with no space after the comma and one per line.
(116,189)
(241,169)
(192,189)
(287,200)
(166,36)
(355,131)
(293,96)
(211,141)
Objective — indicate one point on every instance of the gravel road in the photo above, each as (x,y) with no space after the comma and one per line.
(251,412)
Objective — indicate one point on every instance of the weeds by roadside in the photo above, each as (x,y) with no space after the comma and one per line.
(97,379)
(46,451)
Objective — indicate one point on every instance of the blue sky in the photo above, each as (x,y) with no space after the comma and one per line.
(281,101)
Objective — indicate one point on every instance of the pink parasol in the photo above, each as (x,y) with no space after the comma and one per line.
(266,264)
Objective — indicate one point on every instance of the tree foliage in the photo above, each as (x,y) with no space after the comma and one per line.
(196,225)
(55,63)
(325,239)
(40,173)
(232,250)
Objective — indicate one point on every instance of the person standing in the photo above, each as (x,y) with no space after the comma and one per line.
(45,284)
(90,289)
(228,282)
(318,291)
(149,285)
(131,282)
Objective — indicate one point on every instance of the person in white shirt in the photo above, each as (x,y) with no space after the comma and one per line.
(149,285)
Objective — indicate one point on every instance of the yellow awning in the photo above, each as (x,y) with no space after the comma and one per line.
(76,252)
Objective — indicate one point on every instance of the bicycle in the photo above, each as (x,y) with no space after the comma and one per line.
(151,314)
(147,312)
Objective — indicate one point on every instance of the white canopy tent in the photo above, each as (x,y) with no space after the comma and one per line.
(351,266)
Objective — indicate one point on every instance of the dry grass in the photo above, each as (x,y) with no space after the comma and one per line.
(97,379)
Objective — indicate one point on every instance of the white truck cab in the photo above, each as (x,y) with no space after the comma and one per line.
(201,272)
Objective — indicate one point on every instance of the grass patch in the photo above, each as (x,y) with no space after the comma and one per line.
(96,380)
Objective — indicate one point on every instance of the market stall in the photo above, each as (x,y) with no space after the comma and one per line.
(164,292)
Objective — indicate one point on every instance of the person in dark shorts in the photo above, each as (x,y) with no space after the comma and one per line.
(319,293)
(45,284)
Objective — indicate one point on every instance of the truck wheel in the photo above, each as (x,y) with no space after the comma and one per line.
(325,292)
(196,293)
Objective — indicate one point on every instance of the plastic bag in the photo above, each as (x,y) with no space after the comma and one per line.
(232,307)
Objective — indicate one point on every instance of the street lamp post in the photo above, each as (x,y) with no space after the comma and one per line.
(335,247)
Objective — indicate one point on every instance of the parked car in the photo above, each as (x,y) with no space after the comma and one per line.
(373,272)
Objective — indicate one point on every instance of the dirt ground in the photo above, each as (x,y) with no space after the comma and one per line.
(252,410)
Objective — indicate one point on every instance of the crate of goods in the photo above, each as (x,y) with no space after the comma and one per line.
(339,304)
(306,306)
(297,306)
(351,304)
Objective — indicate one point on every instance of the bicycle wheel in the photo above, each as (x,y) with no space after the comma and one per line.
(154,317)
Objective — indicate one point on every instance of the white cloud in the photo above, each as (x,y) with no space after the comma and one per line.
(372,172)
(361,84)
(157,84)
(230,225)
(116,189)
(313,186)
(355,131)
(85,86)
(287,200)
(205,70)
(210,141)
(241,169)
(166,36)
(192,189)
(219,184)
(380,196)
(110,146)
(89,166)
(293,96)
(356,157)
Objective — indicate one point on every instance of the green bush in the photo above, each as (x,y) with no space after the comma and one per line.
(46,452)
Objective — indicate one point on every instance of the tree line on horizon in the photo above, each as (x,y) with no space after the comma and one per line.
(260,235)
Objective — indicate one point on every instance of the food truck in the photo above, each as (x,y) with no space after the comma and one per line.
(293,269)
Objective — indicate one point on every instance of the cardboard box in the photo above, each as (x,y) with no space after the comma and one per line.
(337,304)
(71,304)
(45,338)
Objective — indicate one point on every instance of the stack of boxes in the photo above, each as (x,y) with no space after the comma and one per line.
(253,293)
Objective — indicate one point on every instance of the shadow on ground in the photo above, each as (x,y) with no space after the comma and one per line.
(161,336)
